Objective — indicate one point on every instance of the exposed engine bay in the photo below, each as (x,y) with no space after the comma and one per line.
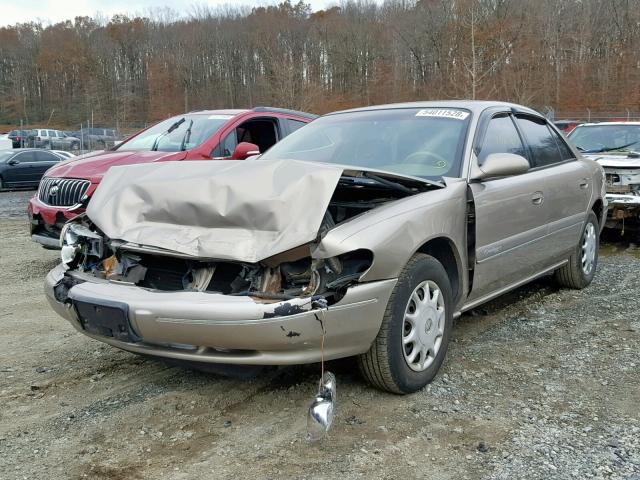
(291,274)
(623,194)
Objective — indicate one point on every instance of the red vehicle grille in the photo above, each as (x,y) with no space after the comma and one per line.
(62,192)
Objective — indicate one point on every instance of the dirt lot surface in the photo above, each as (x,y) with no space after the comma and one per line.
(542,383)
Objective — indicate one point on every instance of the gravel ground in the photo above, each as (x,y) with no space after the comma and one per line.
(541,383)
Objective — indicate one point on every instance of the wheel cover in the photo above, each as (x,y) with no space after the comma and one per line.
(589,246)
(423,326)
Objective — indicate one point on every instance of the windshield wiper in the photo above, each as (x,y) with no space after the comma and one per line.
(608,149)
(175,125)
(187,137)
(369,179)
(388,183)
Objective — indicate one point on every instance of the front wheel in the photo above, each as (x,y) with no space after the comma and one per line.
(581,268)
(415,332)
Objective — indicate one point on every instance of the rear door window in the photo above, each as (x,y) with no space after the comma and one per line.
(501,137)
(543,146)
(44,156)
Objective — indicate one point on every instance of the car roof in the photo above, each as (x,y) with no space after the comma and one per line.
(219,112)
(283,111)
(20,150)
(476,106)
(594,124)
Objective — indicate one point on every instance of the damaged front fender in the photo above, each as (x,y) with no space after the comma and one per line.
(395,231)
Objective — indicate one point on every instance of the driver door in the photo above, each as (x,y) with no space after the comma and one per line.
(510,216)
(263,132)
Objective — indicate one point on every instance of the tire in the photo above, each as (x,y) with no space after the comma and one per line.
(75,146)
(387,363)
(575,273)
(1,184)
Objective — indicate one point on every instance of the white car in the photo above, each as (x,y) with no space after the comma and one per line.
(63,154)
(5,142)
(615,146)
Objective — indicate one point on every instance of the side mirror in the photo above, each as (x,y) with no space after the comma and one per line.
(244,150)
(13,161)
(500,165)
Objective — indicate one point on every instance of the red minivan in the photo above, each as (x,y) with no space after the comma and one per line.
(203,135)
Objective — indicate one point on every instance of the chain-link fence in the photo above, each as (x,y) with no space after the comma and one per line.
(588,115)
(82,138)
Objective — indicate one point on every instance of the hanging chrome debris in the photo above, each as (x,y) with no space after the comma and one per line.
(322,410)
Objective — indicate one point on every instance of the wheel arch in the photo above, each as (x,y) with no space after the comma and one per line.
(444,250)
(598,209)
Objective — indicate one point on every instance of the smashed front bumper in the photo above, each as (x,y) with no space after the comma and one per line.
(216,328)
(617,199)
(624,211)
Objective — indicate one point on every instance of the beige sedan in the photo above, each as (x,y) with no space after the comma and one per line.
(362,234)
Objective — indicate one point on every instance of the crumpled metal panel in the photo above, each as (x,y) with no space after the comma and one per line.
(234,210)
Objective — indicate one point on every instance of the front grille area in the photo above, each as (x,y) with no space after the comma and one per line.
(62,192)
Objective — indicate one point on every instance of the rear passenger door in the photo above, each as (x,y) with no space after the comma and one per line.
(567,184)
(43,160)
(510,216)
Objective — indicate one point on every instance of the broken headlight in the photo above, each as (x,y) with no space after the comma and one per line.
(76,240)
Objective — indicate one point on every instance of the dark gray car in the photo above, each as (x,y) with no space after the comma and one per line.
(25,167)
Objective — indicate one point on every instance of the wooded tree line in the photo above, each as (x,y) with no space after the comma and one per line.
(566,54)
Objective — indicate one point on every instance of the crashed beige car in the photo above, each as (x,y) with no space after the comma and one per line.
(362,234)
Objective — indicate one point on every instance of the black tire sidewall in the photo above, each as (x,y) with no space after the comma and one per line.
(404,377)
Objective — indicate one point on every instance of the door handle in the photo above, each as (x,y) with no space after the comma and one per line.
(537,198)
(584,183)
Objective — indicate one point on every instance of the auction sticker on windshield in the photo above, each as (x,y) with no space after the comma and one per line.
(443,113)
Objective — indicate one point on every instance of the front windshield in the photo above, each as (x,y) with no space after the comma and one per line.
(179,138)
(425,142)
(603,138)
(5,155)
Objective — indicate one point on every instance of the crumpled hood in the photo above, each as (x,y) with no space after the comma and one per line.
(614,161)
(93,166)
(235,210)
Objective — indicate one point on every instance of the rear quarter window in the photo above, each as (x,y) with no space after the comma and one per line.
(294,125)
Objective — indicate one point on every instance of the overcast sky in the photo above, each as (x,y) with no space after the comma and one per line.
(52,11)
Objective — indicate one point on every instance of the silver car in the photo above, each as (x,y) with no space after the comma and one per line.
(362,234)
(615,146)
(53,139)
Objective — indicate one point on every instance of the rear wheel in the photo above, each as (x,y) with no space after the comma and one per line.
(415,332)
(75,146)
(1,184)
(581,268)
